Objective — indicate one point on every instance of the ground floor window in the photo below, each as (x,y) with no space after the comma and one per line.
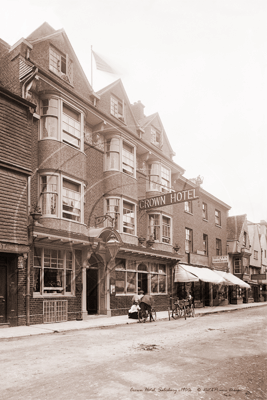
(53,271)
(131,277)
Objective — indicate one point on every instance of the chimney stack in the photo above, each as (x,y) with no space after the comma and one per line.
(138,110)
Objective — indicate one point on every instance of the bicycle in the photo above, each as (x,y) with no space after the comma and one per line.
(178,310)
(143,315)
(189,309)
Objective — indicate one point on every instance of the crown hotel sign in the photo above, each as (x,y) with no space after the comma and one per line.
(169,199)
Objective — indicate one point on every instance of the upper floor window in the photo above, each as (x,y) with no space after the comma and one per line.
(205,211)
(61,122)
(120,156)
(188,206)
(256,255)
(218,247)
(60,197)
(159,227)
(117,108)
(218,217)
(237,266)
(159,178)
(244,239)
(155,137)
(188,240)
(205,244)
(53,271)
(61,65)
(123,214)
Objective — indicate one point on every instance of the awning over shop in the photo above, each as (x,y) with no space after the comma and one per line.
(181,275)
(204,274)
(232,279)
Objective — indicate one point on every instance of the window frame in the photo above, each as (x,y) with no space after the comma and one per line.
(237,268)
(60,178)
(154,133)
(204,211)
(119,213)
(52,291)
(115,102)
(205,244)
(188,207)
(156,169)
(189,240)
(159,227)
(218,217)
(60,123)
(218,247)
(121,161)
(66,73)
(256,255)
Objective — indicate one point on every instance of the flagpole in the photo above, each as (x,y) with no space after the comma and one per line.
(91,66)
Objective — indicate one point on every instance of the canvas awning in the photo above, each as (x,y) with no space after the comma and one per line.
(204,274)
(181,275)
(232,279)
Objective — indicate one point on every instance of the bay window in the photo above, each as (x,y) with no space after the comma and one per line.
(53,271)
(237,266)
(120,156)
(123,213)
(60,121)
(61,197)
(159,227)
(159,178)
(128,217)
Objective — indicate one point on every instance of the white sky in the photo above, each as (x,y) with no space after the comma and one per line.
(202,64)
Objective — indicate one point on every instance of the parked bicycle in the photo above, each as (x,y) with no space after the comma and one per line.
(181,309)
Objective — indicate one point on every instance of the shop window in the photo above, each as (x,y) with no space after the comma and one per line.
(188,207)
(218,217)
(54,187)
(218,247)
(53,271)
(125,276)
(205,211)
(159,228)
(158,278)
(55,114)
(188,240)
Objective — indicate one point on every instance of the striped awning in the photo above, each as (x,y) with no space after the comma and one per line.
(232,279)
(181,275)
(203,274)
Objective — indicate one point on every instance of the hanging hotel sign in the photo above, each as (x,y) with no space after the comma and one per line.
(169,199)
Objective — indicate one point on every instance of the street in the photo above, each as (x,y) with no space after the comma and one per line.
(210,357)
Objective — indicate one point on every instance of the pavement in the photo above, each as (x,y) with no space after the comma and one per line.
(102,321)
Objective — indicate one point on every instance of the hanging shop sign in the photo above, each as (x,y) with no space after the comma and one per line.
(169,199)
(220,259)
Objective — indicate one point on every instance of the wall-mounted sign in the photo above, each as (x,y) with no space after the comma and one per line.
(220,259)
(169,199)
(258,277)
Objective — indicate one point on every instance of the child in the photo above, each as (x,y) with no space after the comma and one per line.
(133,312)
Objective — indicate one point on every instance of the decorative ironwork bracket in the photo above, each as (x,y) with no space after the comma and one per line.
(102,218)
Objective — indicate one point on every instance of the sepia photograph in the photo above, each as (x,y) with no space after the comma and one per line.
(133,199)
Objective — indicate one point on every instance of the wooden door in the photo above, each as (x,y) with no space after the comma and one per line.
(3,293)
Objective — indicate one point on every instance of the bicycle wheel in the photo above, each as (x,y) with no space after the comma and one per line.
(153,315)
(193,310)
(175,313)
(184,312)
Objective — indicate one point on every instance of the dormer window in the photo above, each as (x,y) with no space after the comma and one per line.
(117,108)
(60,64)
(155,137)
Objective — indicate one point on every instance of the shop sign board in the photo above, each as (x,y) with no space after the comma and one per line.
(258,277)
(169,199)
(220,259)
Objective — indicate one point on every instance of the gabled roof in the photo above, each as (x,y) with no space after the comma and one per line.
(46,32)
(119,83)
(235,225)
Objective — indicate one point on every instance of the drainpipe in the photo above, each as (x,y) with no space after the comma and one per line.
(28,272)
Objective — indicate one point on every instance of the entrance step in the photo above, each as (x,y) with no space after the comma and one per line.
(93,316)
(5,325)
